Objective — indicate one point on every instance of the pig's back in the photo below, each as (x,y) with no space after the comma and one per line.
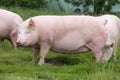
(62,25)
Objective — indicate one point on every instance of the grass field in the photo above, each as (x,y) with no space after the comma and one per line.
(17,65)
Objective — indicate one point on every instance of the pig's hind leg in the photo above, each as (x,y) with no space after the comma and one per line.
(97,48)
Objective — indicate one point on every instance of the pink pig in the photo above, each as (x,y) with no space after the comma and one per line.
(112,28)
(8,27)
(64,34)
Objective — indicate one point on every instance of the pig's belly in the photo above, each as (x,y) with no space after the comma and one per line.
(71,43)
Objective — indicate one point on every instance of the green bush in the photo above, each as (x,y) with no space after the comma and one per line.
(100,6)
(24,3)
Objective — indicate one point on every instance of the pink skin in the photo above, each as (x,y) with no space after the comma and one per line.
(8,27)
(65,34)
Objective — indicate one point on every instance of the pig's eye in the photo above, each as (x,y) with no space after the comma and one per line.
(18,32)
(27,32)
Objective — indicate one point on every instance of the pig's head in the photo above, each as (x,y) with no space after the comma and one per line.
(27,33)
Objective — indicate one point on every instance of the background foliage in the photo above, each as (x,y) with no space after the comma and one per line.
(100,6)
(24,3)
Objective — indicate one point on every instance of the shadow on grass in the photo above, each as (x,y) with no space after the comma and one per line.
(60,61)
(6,62)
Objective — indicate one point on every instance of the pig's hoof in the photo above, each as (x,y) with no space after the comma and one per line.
(104,59)
(40,63)
(32,62)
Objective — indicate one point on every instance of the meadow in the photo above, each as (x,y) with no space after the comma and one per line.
(15,64)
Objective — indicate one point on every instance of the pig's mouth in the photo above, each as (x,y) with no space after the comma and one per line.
(25,45)
(20,45)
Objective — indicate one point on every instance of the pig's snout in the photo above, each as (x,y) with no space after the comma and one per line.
(19,44)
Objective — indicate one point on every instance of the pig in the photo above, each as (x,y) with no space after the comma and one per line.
(8,26)
(112,28)
(64,34)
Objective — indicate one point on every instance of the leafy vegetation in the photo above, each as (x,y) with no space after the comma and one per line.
(100,6)
(17,65)
(24,3)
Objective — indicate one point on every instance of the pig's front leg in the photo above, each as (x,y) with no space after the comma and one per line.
(36,52)
(13,39)
(43,52)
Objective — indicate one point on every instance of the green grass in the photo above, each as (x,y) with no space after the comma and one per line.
(17,65)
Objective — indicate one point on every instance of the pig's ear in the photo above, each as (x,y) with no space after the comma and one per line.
(31,23)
